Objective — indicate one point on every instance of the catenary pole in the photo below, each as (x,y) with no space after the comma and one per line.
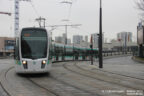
(100,38)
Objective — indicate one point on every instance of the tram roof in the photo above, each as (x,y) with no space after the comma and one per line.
(39,28)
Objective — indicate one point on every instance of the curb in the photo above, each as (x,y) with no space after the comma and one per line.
(116,56)
(137,59)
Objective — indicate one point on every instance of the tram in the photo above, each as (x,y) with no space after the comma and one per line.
(61,52)
(32,51)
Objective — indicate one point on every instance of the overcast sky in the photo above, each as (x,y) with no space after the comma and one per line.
(118,16)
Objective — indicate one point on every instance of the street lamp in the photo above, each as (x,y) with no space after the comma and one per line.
(100,38)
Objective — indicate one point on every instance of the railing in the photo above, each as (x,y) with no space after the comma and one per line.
(113,53)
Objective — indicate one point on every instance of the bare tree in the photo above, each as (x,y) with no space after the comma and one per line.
(140,4)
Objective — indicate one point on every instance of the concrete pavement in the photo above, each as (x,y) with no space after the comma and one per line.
(122,65)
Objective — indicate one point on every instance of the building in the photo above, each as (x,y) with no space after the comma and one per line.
(77,39)
(95,37)
(6,45)
(62,39)
(68,41)
(124,39)
(59,39)
(86,38)
(124,36)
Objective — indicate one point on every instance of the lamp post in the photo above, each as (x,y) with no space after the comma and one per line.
(91,46)
(100,38)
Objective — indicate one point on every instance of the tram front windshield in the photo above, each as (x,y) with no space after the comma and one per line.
(34,43)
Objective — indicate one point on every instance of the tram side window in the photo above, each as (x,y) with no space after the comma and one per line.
(16,50)
(50,51)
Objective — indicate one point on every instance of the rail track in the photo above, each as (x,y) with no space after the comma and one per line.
(48,90)
(6,85)
(3,88)
(96,87)
(75,91)
(94,75)
(64,87)
(71,82)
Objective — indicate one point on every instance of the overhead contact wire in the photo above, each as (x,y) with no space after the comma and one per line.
(34,9)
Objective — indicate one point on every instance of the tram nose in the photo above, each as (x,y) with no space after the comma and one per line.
(34,64)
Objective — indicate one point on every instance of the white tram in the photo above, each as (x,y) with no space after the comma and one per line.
(32,51)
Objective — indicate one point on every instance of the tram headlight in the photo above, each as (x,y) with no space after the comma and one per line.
(43,62)
(24,62)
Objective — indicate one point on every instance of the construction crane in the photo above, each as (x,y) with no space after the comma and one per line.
(16,23)
(5,13)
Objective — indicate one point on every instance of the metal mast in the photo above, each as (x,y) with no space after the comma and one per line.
(40,20)
(16,24)
(100,38)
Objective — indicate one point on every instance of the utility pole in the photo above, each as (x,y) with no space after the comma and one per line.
(40,20)
(66,28)
(91,46)
(100,38)
(126,36)
(52,28)
(66,34)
